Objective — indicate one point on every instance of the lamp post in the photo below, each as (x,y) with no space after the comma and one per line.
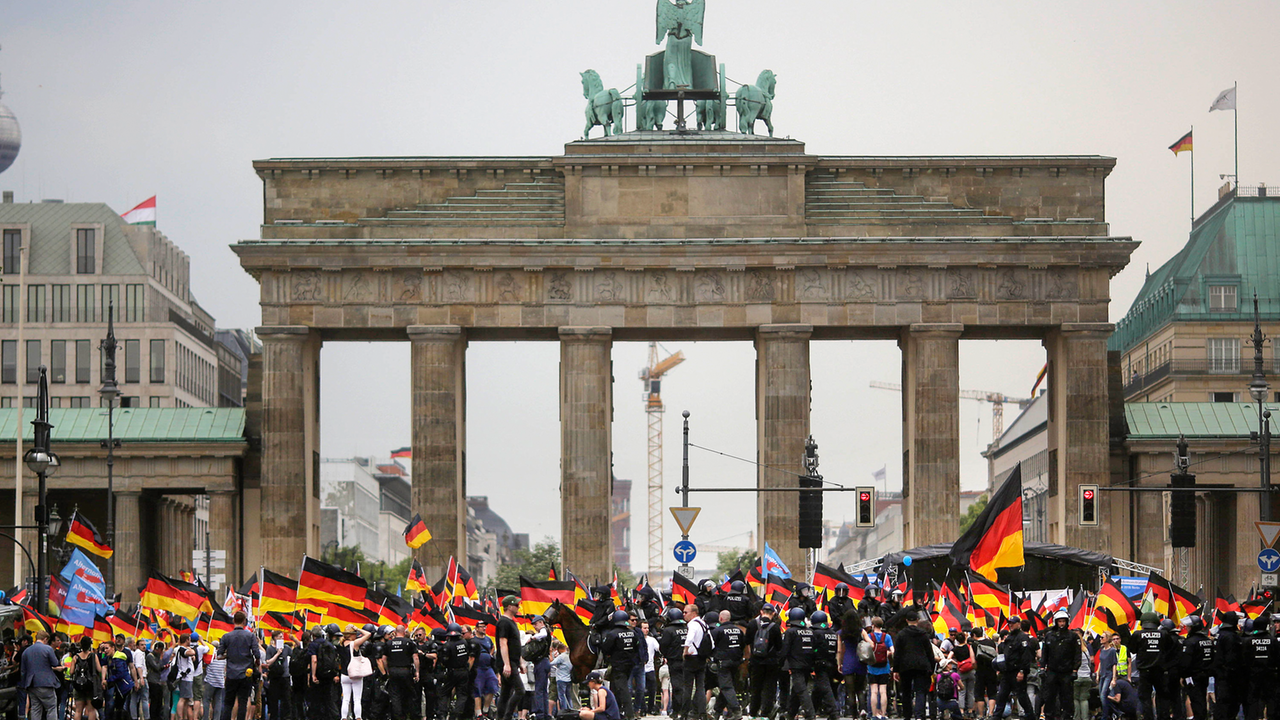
(109,392)
(56,530)
(1258,389)
(43,463)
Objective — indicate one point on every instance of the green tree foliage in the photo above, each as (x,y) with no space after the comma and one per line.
(626,580)
(972,513)
(532,563)
(727,562)
(378,574)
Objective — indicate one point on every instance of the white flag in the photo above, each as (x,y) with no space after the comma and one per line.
(878,476)
(1226,100)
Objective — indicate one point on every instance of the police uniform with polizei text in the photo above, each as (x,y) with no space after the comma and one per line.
(730,645)
(1154,652)
(620,644)
(671,647)
(737,603)
(765,638)
(798,650)
(373,696)
(1264,656)
(1197,668)
(400,653)
(826,644)
(455,658)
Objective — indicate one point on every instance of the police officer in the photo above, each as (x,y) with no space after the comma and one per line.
(730,645)
(826,643)
(803,599)
(671,647)
(1154,654)
(324,653)
(737,603)
(619,646)
(838,605)
(798,649)
(436,641)
(1230,670)
(870,604)
(1197,666)
(1264,656)
(1018,653)
(706,599)
(764,638)
(373,696)
(426,671)
(892,606)
(400,663)
(1060,654)
(455,660)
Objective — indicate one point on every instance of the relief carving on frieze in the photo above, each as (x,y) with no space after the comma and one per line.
(660,288)
(710,287)
(910,284)
(360,287)
(1011,284)
(812,285)
(507,287)
(560,287)
(960,283)
(861,284)
(307,286)
(457,286)
(409,286)
(607,287)
(760,286)
(1060,284)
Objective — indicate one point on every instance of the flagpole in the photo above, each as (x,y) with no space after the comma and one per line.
(1193,176)
(1235,114)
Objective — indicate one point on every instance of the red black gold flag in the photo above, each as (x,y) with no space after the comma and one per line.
(174,596)
(463,585)
(321,584)
(81,532)
(1182,145)
(404,452)
(284,622)
(551,573)
(276,593)
(994,540)
(949,617)
(735,576)
(130,626)
(1161,594)
(470,617)
(1078,612)
(342,616)
(213,625)
(417,580)
(683,591)
(101,631)
(1184,602)
(426,618)
(755,576)
(825,579)
(1113,600)
(389,609)
(987,594)
(416,532)
(35,622)
(778,590)
(537,596)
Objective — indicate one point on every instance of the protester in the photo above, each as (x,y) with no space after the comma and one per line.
(853,671)
(1084,683)
(879,669)
(913,663)
(39,668)
(508,657)
(946,688)
(604,706)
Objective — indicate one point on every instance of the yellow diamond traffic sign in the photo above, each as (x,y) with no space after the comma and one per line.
(684,517)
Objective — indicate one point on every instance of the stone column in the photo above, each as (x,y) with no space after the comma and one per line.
(128,549)
(224,533)
(931,433)
(284,525)
(30,498)
(1077,430)
(165,524)
(782,426)
(439,407)
(586,449)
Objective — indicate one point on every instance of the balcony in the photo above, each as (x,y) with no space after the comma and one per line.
(1139,382)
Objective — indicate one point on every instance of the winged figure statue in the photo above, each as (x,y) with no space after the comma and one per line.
(681,23)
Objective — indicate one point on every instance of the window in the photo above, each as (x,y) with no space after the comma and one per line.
(35,303)
(9,361)
(61,303)
(78,402)
(133,304)
(57,361)
(6,402)
(55,402)
(33,361)
(157,363)
(155,401)
(133,361)
(1223,397)
(29,403)
(86,251)
(1223,355)
(1222,298)
(12,252)
(111,302)
(130,401)
(84,304)
(10,311)
(83,358)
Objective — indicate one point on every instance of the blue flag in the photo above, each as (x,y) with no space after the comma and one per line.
(83,595)
(80,566)
(772,564)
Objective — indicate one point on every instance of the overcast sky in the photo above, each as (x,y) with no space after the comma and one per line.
(122,100)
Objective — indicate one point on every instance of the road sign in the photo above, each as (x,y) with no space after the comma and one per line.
(1270,532)
(685,552)
(1269,560)
(684,517)
(1269,579)
(686,570)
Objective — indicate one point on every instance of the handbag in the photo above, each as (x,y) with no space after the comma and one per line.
(866,651)
(359,667)
(966,665)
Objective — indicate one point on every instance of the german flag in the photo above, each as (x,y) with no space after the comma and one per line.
(321,585)
(755,577)
(417,580)
(1184,603)
(994,540)
(276,593)
(536,597)
(778,590)
(470,617)
(1183,144)
(826,578)
(585,609)
(101,631)
(213,625)
(425,618)
(551,573)
(987,594)
(463,585)
(342,616)
(389,609)
(1161,594)
(1034,622)
(129,625)
(735,576)
(416,532)
(174,596)
(81,532)
(1113,600)
(683,591)
(284,622)
(34,622)
(1078,611)
(1255,606)
(404,452)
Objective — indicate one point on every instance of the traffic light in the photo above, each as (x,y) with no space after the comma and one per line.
(810,525)
(866,508)
(1088,505)
(1182,510)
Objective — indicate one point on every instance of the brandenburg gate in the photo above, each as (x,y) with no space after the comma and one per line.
(653,235)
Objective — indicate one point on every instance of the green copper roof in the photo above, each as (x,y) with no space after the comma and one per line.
(52,236)
(133,424)
(1237,242)
(1149,421)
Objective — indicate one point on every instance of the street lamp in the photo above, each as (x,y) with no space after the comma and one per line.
(1258,389)
(57,531)
(43,462)
(109,392)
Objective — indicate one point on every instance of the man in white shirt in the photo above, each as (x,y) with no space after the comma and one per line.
(139,704)
(697,650)
(650,702)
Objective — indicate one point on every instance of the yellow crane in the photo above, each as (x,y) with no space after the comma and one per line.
(651,376)
(996,399)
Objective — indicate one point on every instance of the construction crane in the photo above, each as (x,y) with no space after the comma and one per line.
(996,399)
(651,376)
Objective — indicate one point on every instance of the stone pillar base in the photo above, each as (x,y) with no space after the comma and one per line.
(931,433)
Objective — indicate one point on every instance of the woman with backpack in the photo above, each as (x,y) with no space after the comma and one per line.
(946,688)
(879,671)
(353,673)
(986,682)
(966,667)
(87,681)
(852,668)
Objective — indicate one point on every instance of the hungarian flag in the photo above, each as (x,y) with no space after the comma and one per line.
(1113,600)
(536,597)
(404,452)
(174,596)
(683,591)
(1183,144)
(994,540)
(417,580)
(81,532)
(1161,594)
(143,214)
(987,594)
(276,593)
(416,532)
(321,584)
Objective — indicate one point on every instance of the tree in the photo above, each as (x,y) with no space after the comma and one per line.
(352,558)
(533,563)
(727,562)
(626,580)
(973,512)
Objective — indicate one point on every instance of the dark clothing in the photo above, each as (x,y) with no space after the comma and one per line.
(738,605)
(915,690)
(620,684)
(236,688)
(1264,655)
(1019,652)
(798,650)
(240,648)
(764,687)
(1197,655)
(729,645)
(913,650)
(1060,650)
(836,608)
(1128,705)
(801,697)
(1011,685)
(512,691)
(399,652)
(1231,673)
(38,663)
(1055,696)
(507,633)
(619,645)
(764,637)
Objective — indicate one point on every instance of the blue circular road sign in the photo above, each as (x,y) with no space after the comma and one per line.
(1268,560)
(685,552)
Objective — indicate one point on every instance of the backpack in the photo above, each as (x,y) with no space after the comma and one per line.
(880,652)
(328,664)
(535,649)
(82,675)
(277,668)
(760,644)
(299,666)
(945,687)
(986,650)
